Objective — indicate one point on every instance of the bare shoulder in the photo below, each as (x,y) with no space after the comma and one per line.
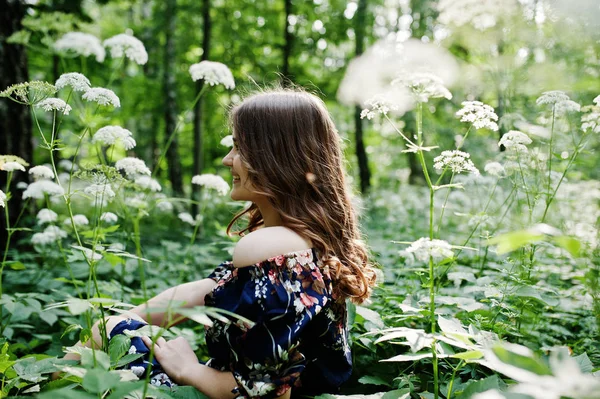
(266,243)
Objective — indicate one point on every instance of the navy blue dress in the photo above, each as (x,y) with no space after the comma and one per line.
(299,337)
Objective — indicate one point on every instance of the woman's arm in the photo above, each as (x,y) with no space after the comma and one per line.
(192,294)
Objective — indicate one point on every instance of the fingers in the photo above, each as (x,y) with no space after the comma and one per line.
(160,341)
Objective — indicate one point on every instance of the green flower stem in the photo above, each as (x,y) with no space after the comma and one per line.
(431,265)
(172,135)
(9,232)
(550,152)
(454,371)
(138,252)
(444,205)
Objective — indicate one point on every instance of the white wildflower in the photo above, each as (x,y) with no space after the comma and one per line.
(54,104)
(79,220)
(40,188)
(423,248)
(481,14)
(564,154)
(212,182)
(457,161)
(129,45)
(423,85)
(103,190)
(148,183)
(138,202)
(46,216)
(227,141)
(494,169)
(65,164)
(515,140)
(82,44)
(564,107)
(102,96)
(552,97)
(132,166)
(378,104)
(187,218)
(596,101)
(590,121)
(41,172)
(109,135)
(479,114)
(3,199)
(213,73)
(11,166)
(50,235)
(164,205)
(76,80)
(109,217)
(22,185)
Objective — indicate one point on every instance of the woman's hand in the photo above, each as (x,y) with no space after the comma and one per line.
(176,357)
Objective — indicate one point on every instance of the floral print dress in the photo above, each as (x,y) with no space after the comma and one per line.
(299,339)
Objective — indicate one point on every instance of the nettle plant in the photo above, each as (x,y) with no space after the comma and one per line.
(83,205)
(534,178)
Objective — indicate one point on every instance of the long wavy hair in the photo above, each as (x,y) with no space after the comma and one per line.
(289,144)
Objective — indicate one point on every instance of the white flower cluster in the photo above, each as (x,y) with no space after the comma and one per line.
(137,201)
(189,219)
(163,204)
(423,248)
(590,120)
(41,172)
(102,96)
(423,85)
(78,220)
(552,97)
(515,140)
(12,166)
(379,104)
(76,80)
(103,191)
(564,107)
(213,73)
(212,182)
(132,166)
(41,188)
(457,161)
(109,135)
(109,217)
(126,44)
(227,141)
(46,216)
(50,235)
(147,183)
(54,104)
(494,169)
(81,44)
(479,114)
(2,198)
(65,164)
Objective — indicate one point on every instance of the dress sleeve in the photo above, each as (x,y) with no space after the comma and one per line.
(220,271)
(289,290)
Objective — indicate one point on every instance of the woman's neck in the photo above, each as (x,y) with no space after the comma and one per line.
(269,214)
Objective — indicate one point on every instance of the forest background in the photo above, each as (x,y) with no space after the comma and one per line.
(524,262)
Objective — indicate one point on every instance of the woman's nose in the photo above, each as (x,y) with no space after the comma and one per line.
(228,159)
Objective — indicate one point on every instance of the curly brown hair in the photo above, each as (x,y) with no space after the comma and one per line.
(290,145)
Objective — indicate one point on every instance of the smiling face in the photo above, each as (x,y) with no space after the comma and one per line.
(242,189)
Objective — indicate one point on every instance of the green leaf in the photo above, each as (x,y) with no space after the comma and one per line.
(510,241)
(87,359)
(571,244)
(370,315)
(99,381)
(373,380)
(524,362)
(85,335)
(71,327)
(118,346)
(547,297)
(16,265)
(77,306)
(128,359)
(477,386)
(584,362)
(469,355)
(187,392)
(125,388)
(66,393)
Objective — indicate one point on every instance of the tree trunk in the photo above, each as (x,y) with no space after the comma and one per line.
(151,120)
(361,153)
(170,95)
(198,142)
(286,77)
(15,119)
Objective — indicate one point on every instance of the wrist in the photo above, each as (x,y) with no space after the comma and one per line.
(190,374)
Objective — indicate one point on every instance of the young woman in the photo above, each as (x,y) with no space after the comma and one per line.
(300,258)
